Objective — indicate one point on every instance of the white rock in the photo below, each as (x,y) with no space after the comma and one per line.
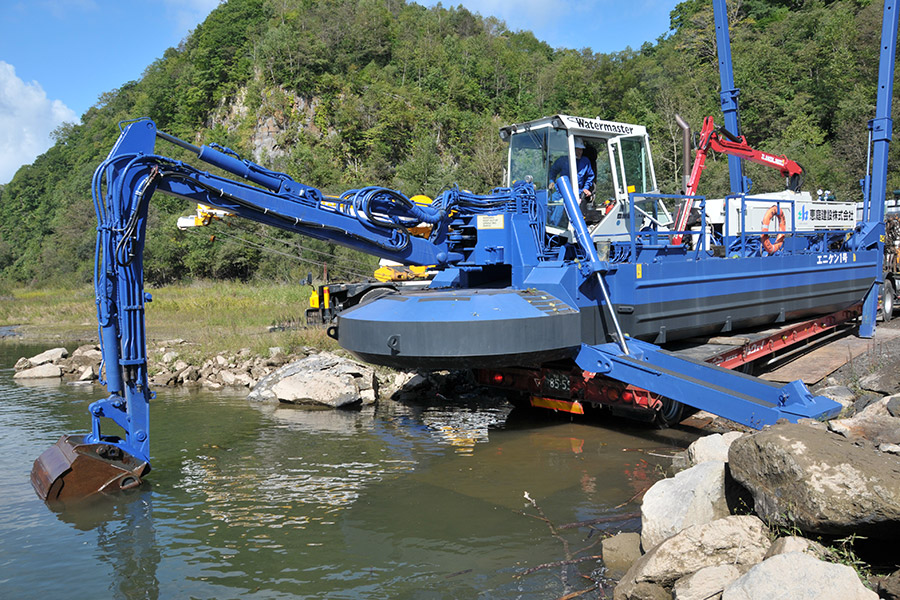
(739,540)
(798,576)
(243,379)
(796,543)
(89,351)
(402,378)
(706,583)
(693,497)
(324,379)
(326,388)
(169,357)
(48,356)
(87,374)
(878,408)
(45,371)
(712,447)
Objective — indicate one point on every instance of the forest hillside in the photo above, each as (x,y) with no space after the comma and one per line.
(345,93)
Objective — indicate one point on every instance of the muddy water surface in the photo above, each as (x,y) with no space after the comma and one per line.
(407,500)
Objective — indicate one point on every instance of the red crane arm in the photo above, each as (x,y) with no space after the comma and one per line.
(721,140)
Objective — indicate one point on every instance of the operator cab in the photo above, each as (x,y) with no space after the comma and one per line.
(619,154)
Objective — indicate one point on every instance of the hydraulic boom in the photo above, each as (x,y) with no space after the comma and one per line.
(374,220)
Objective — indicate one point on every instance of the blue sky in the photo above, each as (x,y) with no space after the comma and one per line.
(58,56)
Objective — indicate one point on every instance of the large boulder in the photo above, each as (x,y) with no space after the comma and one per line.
(45,371)
(46,357)
(876,428)
(320,379)
(692,497)
(739,540)
(883,381)
(818,481)
(798,576)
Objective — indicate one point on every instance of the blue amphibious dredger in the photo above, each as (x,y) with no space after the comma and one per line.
(527,274)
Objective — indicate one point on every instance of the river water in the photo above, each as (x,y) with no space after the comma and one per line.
(406,500)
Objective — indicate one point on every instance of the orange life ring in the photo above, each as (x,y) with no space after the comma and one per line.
(779,241)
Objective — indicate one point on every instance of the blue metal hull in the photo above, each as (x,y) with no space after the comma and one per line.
(664,302)
(443,329)
(558,311)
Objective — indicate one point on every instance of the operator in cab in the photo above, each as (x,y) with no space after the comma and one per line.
(582,167)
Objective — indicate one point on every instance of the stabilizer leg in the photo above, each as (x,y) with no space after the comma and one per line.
(736,396)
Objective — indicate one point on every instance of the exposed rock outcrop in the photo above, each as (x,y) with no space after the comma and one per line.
(321,379)
(818,481)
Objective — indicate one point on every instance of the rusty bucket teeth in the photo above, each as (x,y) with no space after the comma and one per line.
(71,470)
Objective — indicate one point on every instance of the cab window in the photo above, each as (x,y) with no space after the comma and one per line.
(637,165)
(528,157)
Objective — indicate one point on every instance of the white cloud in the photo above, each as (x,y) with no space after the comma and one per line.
(27,117)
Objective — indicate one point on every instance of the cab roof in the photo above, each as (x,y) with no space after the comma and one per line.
(577,125)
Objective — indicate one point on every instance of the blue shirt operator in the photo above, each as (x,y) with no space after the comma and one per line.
(582,166)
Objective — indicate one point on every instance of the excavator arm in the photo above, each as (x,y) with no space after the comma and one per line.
(373,219)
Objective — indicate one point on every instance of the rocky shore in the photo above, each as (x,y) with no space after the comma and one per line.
(807,510)
(793,511)
(309,377)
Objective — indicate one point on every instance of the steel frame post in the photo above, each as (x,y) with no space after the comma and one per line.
(880,129)
(729,94)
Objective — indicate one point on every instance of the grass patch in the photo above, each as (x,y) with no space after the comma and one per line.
(212,316)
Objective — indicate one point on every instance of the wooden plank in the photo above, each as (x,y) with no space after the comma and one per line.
(822,362)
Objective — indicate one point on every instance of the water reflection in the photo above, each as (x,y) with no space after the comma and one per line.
(320,459)
(462,429)
(126,542)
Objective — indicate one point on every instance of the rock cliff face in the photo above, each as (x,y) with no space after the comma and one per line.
(283,112)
